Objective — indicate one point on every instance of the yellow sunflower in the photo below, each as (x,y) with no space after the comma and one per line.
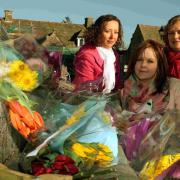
(23,76)
(18,65)
(28,81)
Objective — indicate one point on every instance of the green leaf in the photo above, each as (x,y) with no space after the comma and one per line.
(9,91)
(73,155)
(50,156)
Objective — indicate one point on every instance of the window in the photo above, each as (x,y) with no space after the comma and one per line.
(80,42)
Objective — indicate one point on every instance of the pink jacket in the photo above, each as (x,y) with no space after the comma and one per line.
(89,66)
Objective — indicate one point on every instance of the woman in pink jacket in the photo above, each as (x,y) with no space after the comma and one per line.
(172,41)
(97,63)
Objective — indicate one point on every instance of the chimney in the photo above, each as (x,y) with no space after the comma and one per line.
(161,32)
(88,21)
(7,15)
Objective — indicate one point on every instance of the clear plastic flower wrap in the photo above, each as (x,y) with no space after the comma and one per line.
(148,140)
(19,77)
(56,129)
(76,107)
(151,136)
(166,150)
(25,53)
(82,128)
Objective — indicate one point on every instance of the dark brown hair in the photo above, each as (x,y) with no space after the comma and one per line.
(161,80)
(93,32)
(170,23)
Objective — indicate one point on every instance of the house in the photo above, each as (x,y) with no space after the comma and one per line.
(61,34)
(65,36)
(144,32)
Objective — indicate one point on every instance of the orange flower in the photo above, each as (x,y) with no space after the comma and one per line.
(24,120)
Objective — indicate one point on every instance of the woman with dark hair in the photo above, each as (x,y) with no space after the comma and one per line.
(97,62)
(148,80)
(172,41)
(147,95)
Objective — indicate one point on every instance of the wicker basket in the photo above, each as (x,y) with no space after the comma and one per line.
(8,174)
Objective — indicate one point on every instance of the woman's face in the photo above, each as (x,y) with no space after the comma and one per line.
(146,65)
(109,35)
(174,36)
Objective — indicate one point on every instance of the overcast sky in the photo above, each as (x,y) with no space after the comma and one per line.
(130,12)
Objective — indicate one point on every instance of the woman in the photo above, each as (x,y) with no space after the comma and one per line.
(147,79)
(97,62)
(148,93)
(172,41)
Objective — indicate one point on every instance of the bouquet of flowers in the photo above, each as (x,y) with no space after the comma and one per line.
(16,80)
(24,66)
(74,137)
(71,127)
(146,137)
(164,164)
(80,129)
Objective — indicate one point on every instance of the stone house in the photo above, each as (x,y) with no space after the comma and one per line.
(64,36)
(61,34)
(142,33)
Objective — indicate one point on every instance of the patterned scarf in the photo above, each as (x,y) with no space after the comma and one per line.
(174,63)
(135,95)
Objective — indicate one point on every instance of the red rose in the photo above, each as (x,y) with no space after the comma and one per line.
(64,158)
(72,168)
(49,170)
(58,165)
(38,168)
(62,165)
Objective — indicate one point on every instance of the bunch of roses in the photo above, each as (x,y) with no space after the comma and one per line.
(62,164)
